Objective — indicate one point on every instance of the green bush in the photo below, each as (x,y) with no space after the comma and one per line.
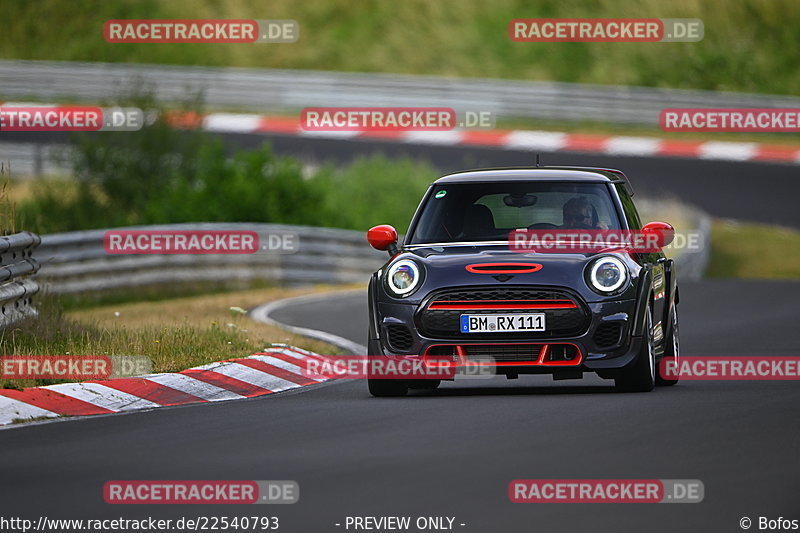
(161,175)
(374,190)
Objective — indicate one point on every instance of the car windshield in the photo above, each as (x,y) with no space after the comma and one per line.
(475,212)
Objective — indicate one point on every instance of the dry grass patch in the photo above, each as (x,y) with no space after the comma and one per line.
(175,334)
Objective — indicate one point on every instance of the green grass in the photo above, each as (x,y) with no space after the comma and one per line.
(749,45)
(175,334)
(754,251)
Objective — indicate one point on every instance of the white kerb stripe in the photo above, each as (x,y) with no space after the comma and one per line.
(290,353)
(303,357)
(280,363)
(231,122)
(255,377)
(535,140)
(195,387)
(338,134)
(209,366)
(632,145)
(293,349)
(11,409)
(727,150)
(102,396)
(433,137)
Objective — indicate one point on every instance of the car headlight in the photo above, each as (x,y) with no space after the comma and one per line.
(403,277)
(607,274)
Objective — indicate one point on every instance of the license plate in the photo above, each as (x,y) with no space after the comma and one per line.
(502,323)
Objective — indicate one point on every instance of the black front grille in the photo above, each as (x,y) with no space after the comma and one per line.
(445,323)
(607,334)
(503,293)
(400,339)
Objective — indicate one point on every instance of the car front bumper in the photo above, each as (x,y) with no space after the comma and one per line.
(516,353)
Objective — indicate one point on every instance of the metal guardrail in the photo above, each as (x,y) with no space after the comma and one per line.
(272,89)
(16,270)
(26,160)
(77,261)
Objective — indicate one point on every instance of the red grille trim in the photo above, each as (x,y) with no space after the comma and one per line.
(499,305)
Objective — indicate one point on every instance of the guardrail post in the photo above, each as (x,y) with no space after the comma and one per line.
(17,285)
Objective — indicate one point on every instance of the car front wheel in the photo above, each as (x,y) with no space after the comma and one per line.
(672,348)
(641,375)
(424,384)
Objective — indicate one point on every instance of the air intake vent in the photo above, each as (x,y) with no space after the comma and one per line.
(607,334)
(400,339)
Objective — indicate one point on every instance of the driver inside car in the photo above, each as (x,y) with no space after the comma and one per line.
(579,213)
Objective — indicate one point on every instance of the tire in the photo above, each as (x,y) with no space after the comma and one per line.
(672,348)
(383,388)
(424,384)
(641,375)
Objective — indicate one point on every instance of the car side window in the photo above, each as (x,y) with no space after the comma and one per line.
(628,207)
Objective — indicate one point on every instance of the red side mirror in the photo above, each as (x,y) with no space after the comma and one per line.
(665,232)
(383,237)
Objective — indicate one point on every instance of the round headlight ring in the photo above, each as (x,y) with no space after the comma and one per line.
(407,267)
(598,264)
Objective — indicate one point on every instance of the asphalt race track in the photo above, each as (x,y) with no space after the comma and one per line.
(452,452)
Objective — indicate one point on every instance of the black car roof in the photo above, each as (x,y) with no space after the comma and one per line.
(582,174)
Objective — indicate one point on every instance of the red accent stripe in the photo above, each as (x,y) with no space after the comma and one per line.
(503,268)
(679,148)
(150,390)
(586,143)
(484,138)
(539,361)
(55,401)
(222,381)
(276,371)
(278,125)
(502,301)
(290,359)
(184,119)
(776,152)
(478,305)
(489,307)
